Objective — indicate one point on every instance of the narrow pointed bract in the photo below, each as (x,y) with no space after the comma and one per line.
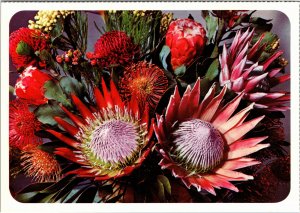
(205,148)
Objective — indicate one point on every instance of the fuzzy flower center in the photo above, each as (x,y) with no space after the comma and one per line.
(198,146)
(141,85)
(114,141)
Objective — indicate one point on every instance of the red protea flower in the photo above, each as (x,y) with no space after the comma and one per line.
(30,86)
(145,82)
(186,39)
(40,165)
(202,143)
(240,73)
(23,43)
(231,16)
(114,48)
(22,125)
(109,143)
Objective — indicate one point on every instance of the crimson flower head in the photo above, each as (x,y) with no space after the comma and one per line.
(114,48)
(186,39)
(24,43)
(202,142)
(22,125)
(145,82)
(30,86)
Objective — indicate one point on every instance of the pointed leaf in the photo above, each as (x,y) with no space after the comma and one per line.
(163,55)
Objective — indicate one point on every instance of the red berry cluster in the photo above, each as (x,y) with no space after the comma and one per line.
(70,57)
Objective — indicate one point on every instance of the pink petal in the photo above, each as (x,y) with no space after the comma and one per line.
(212,107)
(236,133)
(218,181)
(271,59)
(246,151)
(254,97)
(208,97)
(184,106)
(234,120)
(172,108)
(238,164)
(249,142)
(227,111)
(249,70)
(237,68)
(251,84)
(254,48)
(274,72)
(233,174)
(238,84)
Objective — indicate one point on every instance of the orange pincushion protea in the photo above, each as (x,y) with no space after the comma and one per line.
(146,82)
(108,143)
(202,143)
(40,165)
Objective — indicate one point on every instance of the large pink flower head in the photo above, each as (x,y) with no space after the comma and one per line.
(108,143)
(240,72)
(30,86)
(186,39)
(202,141)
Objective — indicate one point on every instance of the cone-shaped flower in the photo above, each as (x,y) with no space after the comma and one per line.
(240,73)
(202,142)
(109,142)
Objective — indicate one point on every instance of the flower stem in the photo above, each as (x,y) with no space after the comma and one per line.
(221,27)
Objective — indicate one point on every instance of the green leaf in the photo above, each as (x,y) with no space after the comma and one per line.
(160,190)
(180,70)
(213,70)
(71,85)
(163,55)
(211,27)
(46,112)
(53,91)
(165,181)
(87,195)
(24,49)
(49,147)
(55,187)
(57,30)
(35,187)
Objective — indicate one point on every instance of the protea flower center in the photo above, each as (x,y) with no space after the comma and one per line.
(107,137)
(113,139)
(198,146)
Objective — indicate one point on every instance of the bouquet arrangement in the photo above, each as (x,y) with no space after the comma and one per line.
(163,109)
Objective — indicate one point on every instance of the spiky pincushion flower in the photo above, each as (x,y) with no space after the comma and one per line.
(24,43)
(40,165)
(22,125)
(202,143)
(146,82)
(109,143)
(114,48)
(240,73)
(186,39)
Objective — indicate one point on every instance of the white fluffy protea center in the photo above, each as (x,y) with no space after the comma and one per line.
(198,146)
(114,141)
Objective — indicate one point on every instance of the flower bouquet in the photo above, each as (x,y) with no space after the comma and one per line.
(160,109)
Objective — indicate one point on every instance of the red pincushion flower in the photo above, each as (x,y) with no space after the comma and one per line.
(23,43)
(30,84)
(186,39)
(144,81)
(114,48)
(22,125)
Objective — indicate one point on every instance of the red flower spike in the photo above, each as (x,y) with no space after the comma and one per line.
(72,130)
(86,113)
(206,153)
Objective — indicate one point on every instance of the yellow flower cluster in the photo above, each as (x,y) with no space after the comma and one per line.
(46,19)
(165,21)
(139,13)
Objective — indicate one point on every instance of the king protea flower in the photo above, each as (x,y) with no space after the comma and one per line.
(202,142)
(145,82)
(109,142)
(22,125)
(186,39)
(40,165)
(240,73)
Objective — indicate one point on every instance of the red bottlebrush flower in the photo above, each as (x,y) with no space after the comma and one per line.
(240,72)
(23,43)
(109,143)
(40,165)
(202,142)
(30,84)
(22,125)
(114,48)
(186,39)
(146,82)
